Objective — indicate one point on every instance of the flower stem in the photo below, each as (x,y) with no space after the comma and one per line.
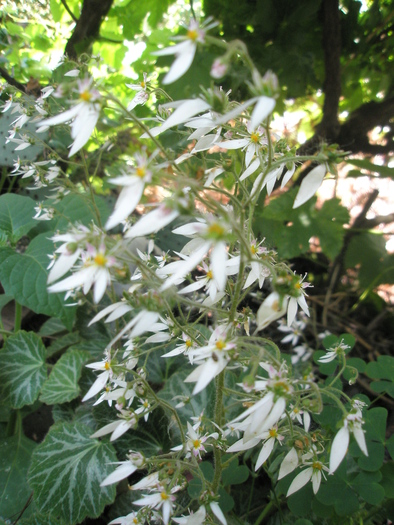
(218,414)
(18,317)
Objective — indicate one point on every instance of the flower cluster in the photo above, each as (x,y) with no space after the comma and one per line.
(205,299)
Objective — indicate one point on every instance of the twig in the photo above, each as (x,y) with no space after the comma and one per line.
(69,10)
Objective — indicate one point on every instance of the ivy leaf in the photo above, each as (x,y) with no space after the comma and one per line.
(62,384)
(175,389)
(22,369)
(16,215)
(41,519)
(24,277)
(66,471)
(15,454)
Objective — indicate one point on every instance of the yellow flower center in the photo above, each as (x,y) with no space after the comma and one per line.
(164,496)
(188,343)
(100,259)
(192,34)
(85,96)
(317,465)
(142,84)
(254,137)
(253,249)
(107,366)
(273,433)
(220,345)
(298,286)
(196,443)
(216,229)
(140,171)
(209,275)
(135,520)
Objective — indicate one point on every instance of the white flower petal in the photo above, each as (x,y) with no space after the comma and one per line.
(268,447)
(289,463)
(339,448)
(218,512)
(262,109)
(124,470)
(300,480)
(310,185)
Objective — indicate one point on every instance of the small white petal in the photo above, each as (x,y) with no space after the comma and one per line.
(339,448)
(262,109)
(268,447)
(310,184)
(289,463)
(218,512)
(300,480)
(123,471)
(359,436)
(97,386)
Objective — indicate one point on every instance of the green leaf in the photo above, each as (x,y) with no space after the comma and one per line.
(300,503)
(66,472)
(62,384)
(15,455)
(78,208)
(24,276)
(235,474)
(41,519)
(336,492)
(388,479)
(175,389)
(383,368)
(384,171)
(22,369)
(16,215)
(150,437)
(367,487)
(375,457)
(390,446)
(376,424)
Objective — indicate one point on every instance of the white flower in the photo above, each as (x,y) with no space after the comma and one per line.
(133,182)
(117,428)
(352,423)
(269,438)
(195,518)
(163,499)
(207,236)
(94,272)
(334,351)
(125,469)
(251,142)
(142,95)
(184,51)
(195,442)
(312,473)
(84,116)
(213,358)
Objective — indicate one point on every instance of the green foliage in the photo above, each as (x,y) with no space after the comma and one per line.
(15,456)
(16,216)
(24,277)
(66,471)
(302,224)
(62,384)
(22,369)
